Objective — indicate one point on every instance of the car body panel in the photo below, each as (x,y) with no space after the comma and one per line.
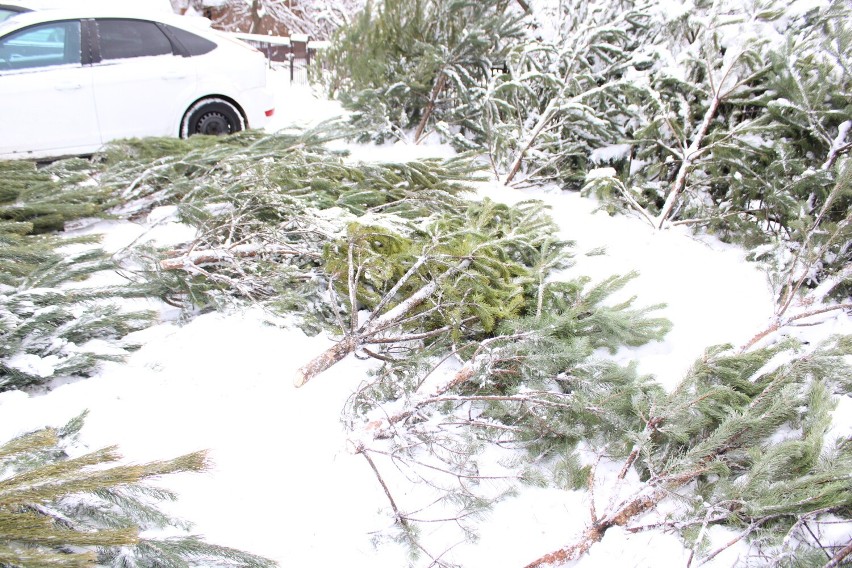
(142,97)
(59,101)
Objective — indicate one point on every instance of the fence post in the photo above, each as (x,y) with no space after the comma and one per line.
(299,43)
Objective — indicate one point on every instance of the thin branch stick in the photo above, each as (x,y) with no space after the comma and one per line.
(808,528)
(840,556)
(787,321)
(700,537)
(430,106)
(397,514)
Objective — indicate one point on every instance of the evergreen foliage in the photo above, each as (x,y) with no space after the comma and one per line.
(730,117)
(57,510)
(487,341)
(415,65)
(39,200)
(47,312)
(750,430)
(265,208)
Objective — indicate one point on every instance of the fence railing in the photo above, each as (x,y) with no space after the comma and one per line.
(295,52)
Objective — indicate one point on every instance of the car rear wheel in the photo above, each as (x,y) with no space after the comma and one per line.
(213,117)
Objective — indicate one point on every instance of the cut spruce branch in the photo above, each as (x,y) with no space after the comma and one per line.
(454,275)
(781,323)
(87,511)
(194,258)
(373,328)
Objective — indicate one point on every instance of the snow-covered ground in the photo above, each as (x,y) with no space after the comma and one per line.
(285,484)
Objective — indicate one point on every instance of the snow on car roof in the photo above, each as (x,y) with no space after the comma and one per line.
(101,10)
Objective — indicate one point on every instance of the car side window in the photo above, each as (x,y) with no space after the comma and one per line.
(124,39)
(43,45)
(194,45)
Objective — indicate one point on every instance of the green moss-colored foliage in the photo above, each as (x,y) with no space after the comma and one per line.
(45,198)
(492,241)
(86,511)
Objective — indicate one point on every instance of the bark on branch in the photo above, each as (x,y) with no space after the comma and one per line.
(595,532)
(840,556)
(374,327)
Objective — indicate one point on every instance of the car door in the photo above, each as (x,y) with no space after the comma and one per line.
(141,86)
(46,99)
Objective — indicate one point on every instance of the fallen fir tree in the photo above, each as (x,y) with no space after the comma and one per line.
(742,442)
(411,274)
(455,276)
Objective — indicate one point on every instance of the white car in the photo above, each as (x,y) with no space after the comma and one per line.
(72,80)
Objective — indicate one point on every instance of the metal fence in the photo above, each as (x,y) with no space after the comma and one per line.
(294,53)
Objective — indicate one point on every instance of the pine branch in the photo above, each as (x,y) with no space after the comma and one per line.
(56,511)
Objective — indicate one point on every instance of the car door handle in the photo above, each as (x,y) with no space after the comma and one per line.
(173,75)
(68,86)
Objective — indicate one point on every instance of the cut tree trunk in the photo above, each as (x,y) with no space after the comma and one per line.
(326,360)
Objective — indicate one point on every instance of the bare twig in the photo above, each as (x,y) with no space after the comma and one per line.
(840,556)
(808,528)
(781,323)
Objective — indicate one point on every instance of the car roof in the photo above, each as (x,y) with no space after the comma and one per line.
(101,10)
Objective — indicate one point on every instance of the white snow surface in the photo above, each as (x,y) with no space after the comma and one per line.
(285,483)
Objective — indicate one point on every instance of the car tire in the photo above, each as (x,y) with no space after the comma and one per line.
(212,117)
